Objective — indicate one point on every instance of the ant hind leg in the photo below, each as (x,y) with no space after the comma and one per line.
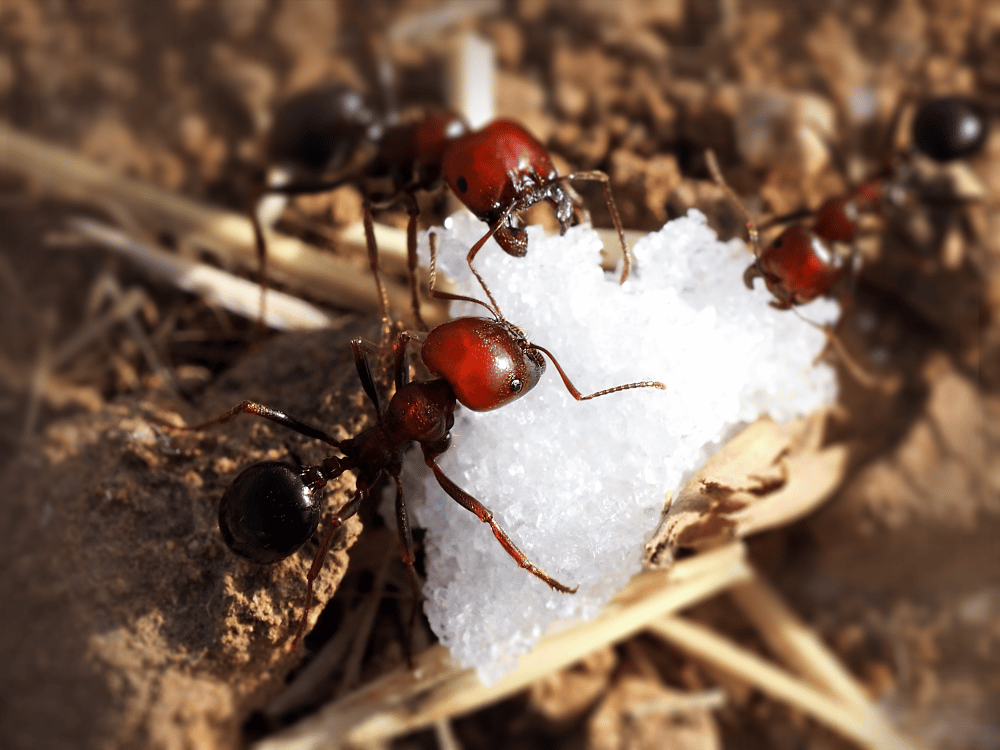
(484,514)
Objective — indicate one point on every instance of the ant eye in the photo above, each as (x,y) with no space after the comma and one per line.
(778,242)
(463,185)
(516,386)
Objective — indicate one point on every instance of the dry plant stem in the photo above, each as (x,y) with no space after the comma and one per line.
(445,736)
(237,295)
(673,705)
(405,701)
(226,234)
(862,724)
(795,643)
(364,630)
(314,678)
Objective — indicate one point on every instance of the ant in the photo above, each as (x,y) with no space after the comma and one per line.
(496,171)
(502,169)
(804,261)
(271,509)
(333,137)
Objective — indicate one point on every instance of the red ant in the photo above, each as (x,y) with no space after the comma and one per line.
(803,262)
(502,169)
(332,136)
(271,509)
(496,171)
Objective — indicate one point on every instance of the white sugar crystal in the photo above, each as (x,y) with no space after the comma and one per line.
(579,486)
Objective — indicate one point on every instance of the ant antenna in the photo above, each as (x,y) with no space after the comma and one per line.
(713,167)
(495,311)
(574,391)
(433,291)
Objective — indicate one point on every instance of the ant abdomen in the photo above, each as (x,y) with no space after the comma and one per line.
(487,362)
(267,513)
(948,128)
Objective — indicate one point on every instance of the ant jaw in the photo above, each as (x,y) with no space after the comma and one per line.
(753,272)
(513,240)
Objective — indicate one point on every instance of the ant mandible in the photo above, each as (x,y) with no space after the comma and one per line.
(271,509)
(806,261)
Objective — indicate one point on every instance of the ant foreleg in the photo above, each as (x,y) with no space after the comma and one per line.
(484,514)
(335,523)
(265,412)
(575,393)
(358,346)
(615,217)
(433,291)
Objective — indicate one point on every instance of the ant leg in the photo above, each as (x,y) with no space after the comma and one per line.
(575,393)
(615,217)
(409,558)
(411,258)
(433,291)
(265,412)
(358,346)
(335,523)
(383,298)
(261,245)
(789,218)
(470,503)
(713,167)
(864,378)
(401,367)
(255,212)
(479,245)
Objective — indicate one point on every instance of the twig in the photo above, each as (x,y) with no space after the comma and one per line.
(861,723)
(437,689)
(237,295)
(224,234)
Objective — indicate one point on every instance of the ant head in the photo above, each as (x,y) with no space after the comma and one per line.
(267,513)
(799,266)
(487,169)
(488,363)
